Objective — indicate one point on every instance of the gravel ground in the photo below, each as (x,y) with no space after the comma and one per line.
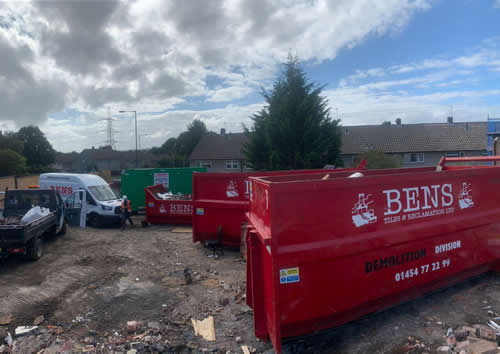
(90,282)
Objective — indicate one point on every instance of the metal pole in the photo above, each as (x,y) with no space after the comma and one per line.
(136,160)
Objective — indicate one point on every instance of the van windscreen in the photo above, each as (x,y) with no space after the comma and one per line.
(102,192)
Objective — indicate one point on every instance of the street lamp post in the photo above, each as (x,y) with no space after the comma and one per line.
(135,116)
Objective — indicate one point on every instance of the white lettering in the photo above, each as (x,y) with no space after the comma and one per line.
(391,201)
(447,194)
(412,203)
(428,195)
(448,247)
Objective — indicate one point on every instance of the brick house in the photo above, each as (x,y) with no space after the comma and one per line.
(220,152)
(417,144)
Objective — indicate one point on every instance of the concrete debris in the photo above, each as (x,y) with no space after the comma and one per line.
(483,347)
(23,330)
(462,345)
(5,319)
(8,339)
(38,320)
(478,339)
(487,333)
(154,325)
(204,328)
(462,333)
(187,276)
(238,340)
(131,326)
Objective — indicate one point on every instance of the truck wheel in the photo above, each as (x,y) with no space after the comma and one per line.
(94,220)
(52,231)
(63,229)
(35,249)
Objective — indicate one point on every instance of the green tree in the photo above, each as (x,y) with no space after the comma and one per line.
(387,122)
(168,147)
(187,141)
(11,163)
(9,140)
(294,130)
(179,149)
(379,160)
(36,148)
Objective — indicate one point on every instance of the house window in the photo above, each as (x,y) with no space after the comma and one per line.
(455,154)
(232,165)
(414,157)
(206,164)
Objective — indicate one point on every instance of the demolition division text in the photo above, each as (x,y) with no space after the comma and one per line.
(392,261)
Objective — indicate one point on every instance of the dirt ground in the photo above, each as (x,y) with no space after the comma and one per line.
(90,282)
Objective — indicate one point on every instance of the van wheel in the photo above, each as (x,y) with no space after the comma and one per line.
(94,220)
(35,249)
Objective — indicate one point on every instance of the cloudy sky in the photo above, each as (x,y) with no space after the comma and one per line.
(66,65)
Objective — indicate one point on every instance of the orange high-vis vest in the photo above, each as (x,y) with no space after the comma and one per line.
(128,206)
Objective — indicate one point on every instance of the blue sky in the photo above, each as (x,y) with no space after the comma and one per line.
(68,65)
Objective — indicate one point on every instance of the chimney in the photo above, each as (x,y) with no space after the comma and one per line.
(450,120)
(398,121)
(222,131)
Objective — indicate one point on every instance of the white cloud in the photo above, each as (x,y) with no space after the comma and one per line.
(151,55)
(228,94)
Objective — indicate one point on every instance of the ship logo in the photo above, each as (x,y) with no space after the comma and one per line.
(464,197)
(232,190)
(361,214)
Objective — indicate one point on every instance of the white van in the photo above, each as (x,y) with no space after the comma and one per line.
(103,206)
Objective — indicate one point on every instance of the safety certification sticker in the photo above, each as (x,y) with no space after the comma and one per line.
(290,275)
(200,211)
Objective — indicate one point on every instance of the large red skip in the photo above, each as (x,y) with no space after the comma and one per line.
(323,252)
(220,201)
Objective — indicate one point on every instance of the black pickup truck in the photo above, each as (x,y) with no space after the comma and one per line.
(19,236)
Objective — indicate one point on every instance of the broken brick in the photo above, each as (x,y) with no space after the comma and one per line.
(451,341)
(462,333)
(131,326)
(487,333)
(483,347)
(462,345)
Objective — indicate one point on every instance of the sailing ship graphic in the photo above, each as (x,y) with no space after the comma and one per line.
(464,197)
(361,214)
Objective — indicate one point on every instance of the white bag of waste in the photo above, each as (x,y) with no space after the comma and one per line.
(34,214)
(356,174)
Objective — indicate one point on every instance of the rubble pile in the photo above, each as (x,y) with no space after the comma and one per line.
(137,337)
(171,196)
(478,339)
(10,220)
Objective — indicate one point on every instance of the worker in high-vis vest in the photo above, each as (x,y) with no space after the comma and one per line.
(126,212)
